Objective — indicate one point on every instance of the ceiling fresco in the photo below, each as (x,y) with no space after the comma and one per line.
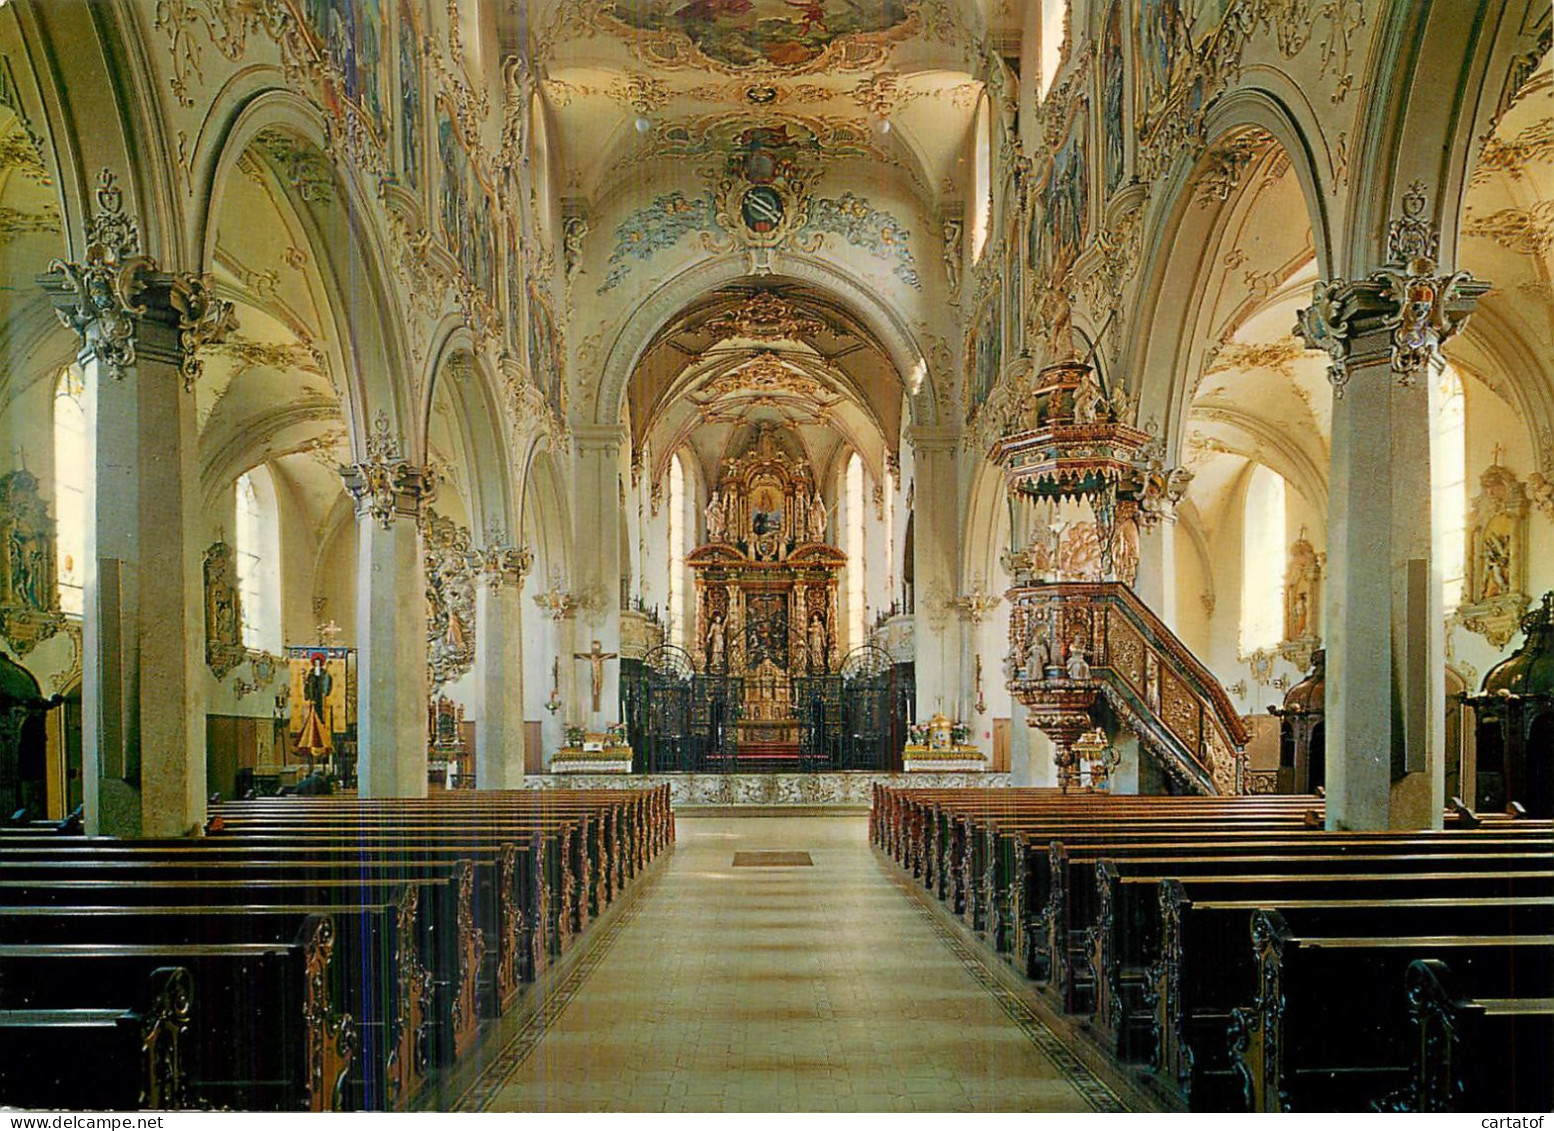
(757,34)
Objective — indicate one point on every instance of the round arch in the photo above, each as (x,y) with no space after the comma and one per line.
(1182,240)
(653,314)
(478,414)
(346,251)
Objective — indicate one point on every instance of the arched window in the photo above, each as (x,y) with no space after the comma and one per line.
(258,546)
(981,178)
(852,533)
(890,535)
(679,541)
(1449,484)
(70,474)
(1262,561)
(1054,21)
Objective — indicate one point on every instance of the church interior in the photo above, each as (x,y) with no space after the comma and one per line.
(765,555)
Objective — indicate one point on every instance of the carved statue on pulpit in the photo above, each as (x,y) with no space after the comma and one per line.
(1088,399)
(1038,652)
(1078,667)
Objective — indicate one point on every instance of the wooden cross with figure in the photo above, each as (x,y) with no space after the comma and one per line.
(596,660)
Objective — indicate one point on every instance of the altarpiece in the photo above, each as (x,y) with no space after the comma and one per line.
(766,585)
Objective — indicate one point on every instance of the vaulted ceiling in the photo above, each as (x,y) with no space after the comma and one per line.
(777,352)
(634,86)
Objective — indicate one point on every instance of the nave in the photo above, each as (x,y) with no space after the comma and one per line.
(809,987)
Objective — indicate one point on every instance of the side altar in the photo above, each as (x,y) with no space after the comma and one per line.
(766,588)
(941,746)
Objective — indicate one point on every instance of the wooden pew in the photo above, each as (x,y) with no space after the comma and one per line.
(1474,1054)
(1062,928)
(1328,1027)
(1204,968)
(512,903)
(477,869)
(375,974)
(127,1058)
(275,1042)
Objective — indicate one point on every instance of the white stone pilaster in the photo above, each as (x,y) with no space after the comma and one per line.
(392,681)
(499,686)
(596,584)
(936,567)
(1385,637)
(143,631)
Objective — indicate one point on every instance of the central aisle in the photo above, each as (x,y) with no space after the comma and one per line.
(819,988)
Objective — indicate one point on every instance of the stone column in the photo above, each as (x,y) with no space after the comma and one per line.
(936,561)
(143,631)
(596,499)
(1156,582)
(392,679)
(499,665)
(1385,648)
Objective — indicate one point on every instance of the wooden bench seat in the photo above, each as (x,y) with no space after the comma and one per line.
(512,903)
(375,975)
(436,912)
(271,1040)
(129,1056)
(1202,968)
(1328,1027)
(1474,1054)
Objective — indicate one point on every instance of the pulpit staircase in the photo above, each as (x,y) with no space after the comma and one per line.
(1138,668)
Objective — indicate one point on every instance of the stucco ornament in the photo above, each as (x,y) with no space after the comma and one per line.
(1408,299)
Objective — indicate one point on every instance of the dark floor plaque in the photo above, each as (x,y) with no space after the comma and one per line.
(772,860)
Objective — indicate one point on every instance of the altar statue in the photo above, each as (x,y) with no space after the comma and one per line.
(717,524)
(817,644)
(817,518)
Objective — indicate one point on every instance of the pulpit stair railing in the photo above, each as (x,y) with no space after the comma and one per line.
(1127,657)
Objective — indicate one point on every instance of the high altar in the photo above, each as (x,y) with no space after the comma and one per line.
(766,585)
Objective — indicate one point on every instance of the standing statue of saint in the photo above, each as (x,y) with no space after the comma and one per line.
(715,645)
(817,644)
(716,520)
(817,517)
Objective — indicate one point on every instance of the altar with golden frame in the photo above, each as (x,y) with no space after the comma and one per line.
(939,746)
(766,587)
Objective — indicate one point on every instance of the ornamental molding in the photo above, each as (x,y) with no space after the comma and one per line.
(501,563)
(1403,312)
(105,297)
(385,485)
(765,316)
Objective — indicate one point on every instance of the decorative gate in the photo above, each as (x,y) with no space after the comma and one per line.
(659,723)
(868,706)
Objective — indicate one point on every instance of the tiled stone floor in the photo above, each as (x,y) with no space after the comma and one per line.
(819,988)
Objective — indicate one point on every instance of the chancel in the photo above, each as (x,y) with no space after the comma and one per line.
(1080,472)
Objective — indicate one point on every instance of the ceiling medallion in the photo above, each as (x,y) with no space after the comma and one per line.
(763,193)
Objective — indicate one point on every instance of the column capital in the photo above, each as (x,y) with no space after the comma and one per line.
(385,485)
(115,292)
(934,438)
(501,563)
(1400,314)
(598,437)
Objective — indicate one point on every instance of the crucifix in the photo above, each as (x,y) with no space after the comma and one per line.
(596,660)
